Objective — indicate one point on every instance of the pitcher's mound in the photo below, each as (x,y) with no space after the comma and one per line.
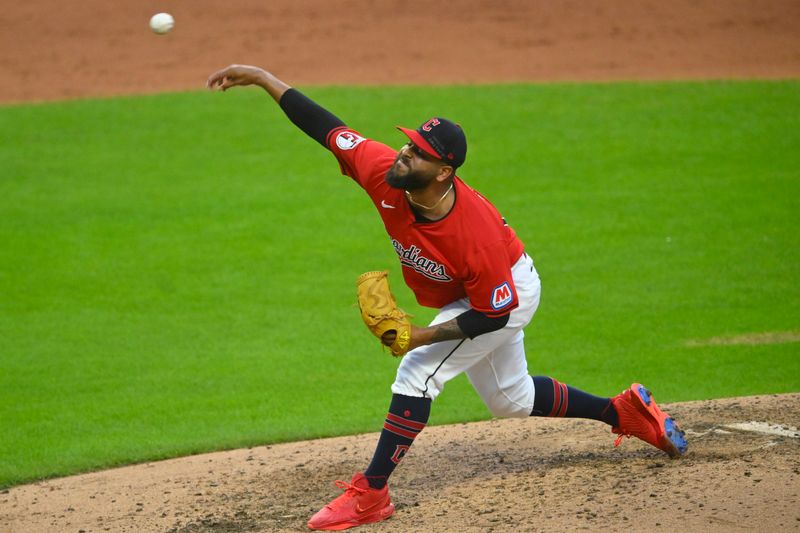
(742,473)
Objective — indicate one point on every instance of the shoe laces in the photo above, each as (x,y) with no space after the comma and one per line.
(345,486)
(350,491)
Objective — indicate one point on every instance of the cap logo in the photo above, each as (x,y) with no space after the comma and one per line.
(428,126)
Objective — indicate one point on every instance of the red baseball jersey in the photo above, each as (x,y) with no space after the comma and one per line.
(468,253)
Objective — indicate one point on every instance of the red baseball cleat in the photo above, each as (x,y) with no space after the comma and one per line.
(640,416)
(360,504)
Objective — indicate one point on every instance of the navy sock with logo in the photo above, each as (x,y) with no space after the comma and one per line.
(557,399)
(407,416)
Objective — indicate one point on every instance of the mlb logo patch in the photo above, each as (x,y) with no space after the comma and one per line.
(502,296)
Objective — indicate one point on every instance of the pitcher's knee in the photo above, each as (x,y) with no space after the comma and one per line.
(411,385)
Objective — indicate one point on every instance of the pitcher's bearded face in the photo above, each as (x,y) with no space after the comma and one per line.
(413,169)
(401,176)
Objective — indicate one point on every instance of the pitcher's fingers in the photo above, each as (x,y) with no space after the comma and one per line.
(216,78)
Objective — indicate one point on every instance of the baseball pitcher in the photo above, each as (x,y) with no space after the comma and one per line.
(459,256)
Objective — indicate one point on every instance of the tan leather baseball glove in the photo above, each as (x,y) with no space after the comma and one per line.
(380,313)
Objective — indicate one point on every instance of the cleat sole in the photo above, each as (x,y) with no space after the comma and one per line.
(672,440)
(644,394)
(676,437)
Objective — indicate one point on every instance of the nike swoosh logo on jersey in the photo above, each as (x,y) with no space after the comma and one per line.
(387,206)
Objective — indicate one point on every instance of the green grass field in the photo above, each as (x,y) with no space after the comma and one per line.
(177,271)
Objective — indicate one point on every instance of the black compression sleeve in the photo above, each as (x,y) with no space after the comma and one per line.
(309,116)
(474,323)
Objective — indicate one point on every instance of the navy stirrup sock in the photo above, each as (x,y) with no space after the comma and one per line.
(557,399)
(407,416)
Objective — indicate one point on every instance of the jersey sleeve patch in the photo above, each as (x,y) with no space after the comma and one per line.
(347,140)
(502,296)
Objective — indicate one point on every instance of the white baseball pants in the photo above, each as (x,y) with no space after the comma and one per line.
(494,362)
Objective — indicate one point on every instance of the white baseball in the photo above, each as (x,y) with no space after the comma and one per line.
(161,23)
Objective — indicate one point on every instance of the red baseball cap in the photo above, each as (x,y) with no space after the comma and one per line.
(442,139)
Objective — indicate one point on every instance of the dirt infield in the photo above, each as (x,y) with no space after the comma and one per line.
(510,475)
(52,50)
(502,475)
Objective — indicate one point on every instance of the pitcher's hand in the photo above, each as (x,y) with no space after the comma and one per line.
(236,75)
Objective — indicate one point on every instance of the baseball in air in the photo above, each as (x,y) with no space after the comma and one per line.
(161,23)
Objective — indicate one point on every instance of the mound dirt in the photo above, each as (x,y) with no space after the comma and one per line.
(501,475)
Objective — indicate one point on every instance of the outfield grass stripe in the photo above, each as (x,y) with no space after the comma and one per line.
(770,337)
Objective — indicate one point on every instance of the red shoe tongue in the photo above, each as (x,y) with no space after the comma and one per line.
(360,481)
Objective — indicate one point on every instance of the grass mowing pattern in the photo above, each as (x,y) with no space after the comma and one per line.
(177,271)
